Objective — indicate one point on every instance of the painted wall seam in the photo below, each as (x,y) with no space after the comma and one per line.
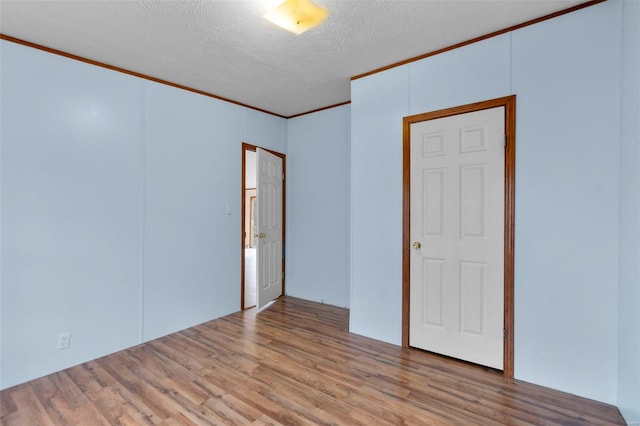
(143,138)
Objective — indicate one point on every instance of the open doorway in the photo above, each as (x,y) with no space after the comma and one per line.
(263,248)
(250,223)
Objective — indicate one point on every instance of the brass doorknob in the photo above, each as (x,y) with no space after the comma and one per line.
(260,235)
(417,245)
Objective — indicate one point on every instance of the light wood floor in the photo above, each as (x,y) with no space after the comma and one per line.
(294,363)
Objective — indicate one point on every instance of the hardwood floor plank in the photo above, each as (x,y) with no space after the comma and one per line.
(294,363)
(29,409)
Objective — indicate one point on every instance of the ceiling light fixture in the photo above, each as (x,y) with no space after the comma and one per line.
(297,16)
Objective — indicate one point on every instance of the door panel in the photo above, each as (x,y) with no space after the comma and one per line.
(269,229)
(433,291)
(457,215)
(433,181)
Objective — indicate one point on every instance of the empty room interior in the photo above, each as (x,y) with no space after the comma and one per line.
(380,212)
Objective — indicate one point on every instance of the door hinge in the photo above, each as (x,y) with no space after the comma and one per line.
(283,176)
(283,275)
(504,334)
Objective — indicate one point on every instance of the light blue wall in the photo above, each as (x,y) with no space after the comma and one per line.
(191,174)
(71,211)
(474,73)
(378,104)
(113,209)
(629,314)
(565,73)
(318,206)
(265,130)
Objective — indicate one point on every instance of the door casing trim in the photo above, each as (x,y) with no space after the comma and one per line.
(509,103)
(249,147)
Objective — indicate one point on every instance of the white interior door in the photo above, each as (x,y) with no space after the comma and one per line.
(269,229)
(457,233)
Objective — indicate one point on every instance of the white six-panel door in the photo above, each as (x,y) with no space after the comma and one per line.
(457,236)
(269,230)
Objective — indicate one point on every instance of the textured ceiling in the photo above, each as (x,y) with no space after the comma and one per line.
(228,49)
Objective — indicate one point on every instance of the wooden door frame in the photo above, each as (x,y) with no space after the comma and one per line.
(248,147)
(509,103)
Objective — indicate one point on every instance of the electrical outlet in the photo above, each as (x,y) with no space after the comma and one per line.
(64,340)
